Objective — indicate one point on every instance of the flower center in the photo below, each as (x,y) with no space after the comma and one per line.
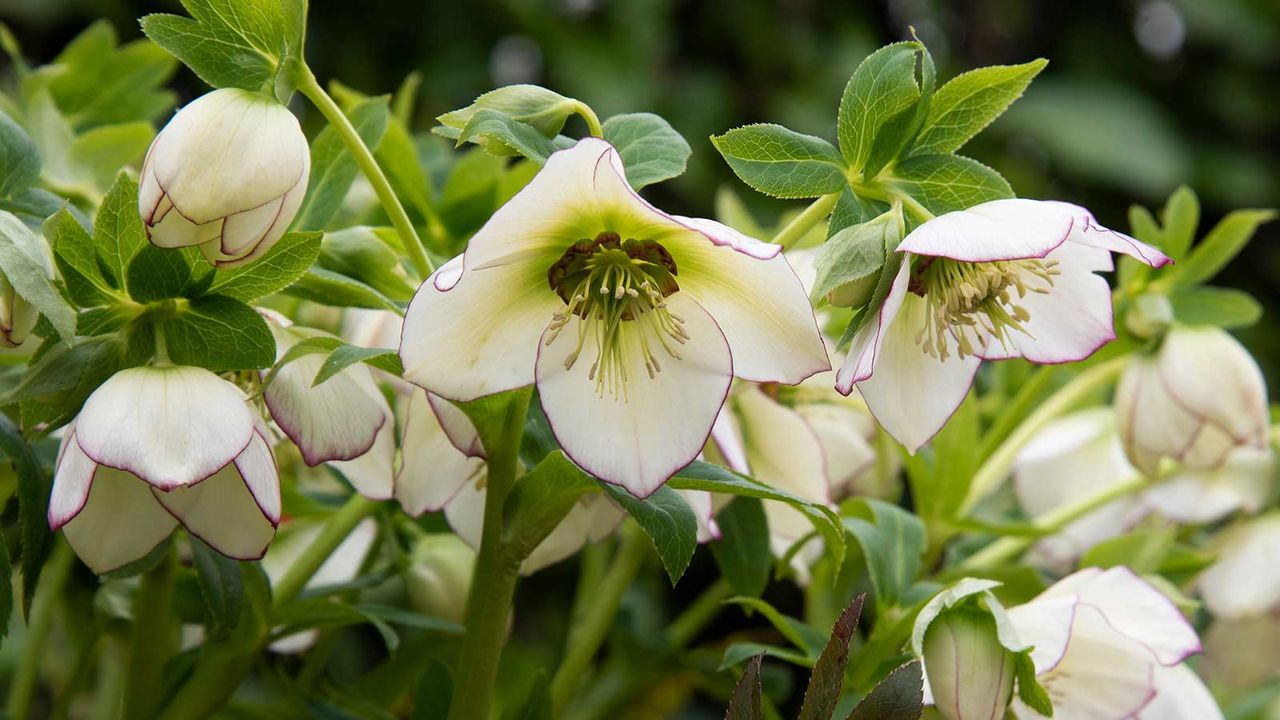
(618,289)
(974,303)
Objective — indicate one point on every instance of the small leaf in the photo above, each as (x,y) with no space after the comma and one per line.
(62,377)
(804,637)
(1220,246)
(1140,550)
(27,264)
(220,334)
(898,697)
(853,255)
(331,288)
(75,254)
(823,692)
(287,261)
(781,162)
(744,704)
(742,550)
(943,183)
(333,169)
(892,541)
(542,498)
(1030,691)
(739,651)
(668,521)
(1181,218)
(157,273)
(345,356)
(1226,308)
(651,150)
(117,230)
(19,160)
(969,102)
(33,506)
(499,130)
(232,44)
(537,106)
(221,586)
(881,92)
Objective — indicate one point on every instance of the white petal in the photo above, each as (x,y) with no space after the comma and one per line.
(457,426)
(1212,376)
(245,229)
(867,344)
(1244,482)
(704,510)
(591,519)
(1180,695)
(481,336)
(1244,582)
(72,479)
(432,469)
(1045,624)
(120,523)
(782,449)
(1151,423)
(1010,229)
(169,426)
(846,450)
(465,514)
(912,393)
(223,513)
(174,230)
(728,441)
(371,474)
(257,466)
(661,424)
(1086,231)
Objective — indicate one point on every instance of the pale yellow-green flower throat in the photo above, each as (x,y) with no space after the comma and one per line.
(617,289)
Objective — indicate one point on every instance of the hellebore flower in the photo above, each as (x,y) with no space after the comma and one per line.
(1244,581)
(1004,279)
(17,316)
(630,321)
(228,174)
(1196,400)
(157,446)
(1100,641)
(439,576)
(344,421)
(970,671)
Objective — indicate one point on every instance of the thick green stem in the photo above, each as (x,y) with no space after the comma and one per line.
(1007,548)
(695,617)
(997,466)
(586,637)
(493,583)
(335,530)
(309,87)
(48,593)
(817,211)
(154,640)
(593,121)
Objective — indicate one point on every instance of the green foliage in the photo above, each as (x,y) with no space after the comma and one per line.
(943,183)
(285,263)
(540,500)
(493,129)
(823,691)
(19,162)
(538,107)
(33,509)
(892,542)
(218,333)
(221,587)
(344,356)
(969,102)
(742,550)
(650,149)
(852,258)
(27,265)
(782,163)
(880,105)
(744,704)
(898,697)
(368,255)
(156,274)
(117,235)
(1227,308)
(668,521)
(333,169)
(1220,246)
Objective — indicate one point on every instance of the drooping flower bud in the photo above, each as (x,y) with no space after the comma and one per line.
(970,672)
(228,174)
(17,316)
(439,576)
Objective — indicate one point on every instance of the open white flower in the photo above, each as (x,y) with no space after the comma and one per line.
(1244,581)
(228,173)
(157,446)
(1101,641)
(344,421)
(631,322)
(1196,400)
(1007,278)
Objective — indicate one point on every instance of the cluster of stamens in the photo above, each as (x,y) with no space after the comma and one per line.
(618,290)
(976,302)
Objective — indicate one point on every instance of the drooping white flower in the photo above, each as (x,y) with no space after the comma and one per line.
(1245,481)
(630,321)
(1197,399)
(1180,695)
(1244,581)
(157,446)
(1007,278)
(1101,639)
(227,173)
(345,421)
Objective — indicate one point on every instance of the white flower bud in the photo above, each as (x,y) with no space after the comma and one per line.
(439,577)
(970,672)
(228,174)
(17,316)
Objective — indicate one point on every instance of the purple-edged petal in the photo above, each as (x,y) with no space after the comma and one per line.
(1180,695)
(371,474)
(1244,581)
(481,336)
(169,426)
(433,470)
(1045,625)
(222,512)
(257,466)
(1085,230)
(1151,423)
(728,441)
(704,510)
(457,426)
(864,351)
(1212,376)
(1243,482)
(72,478)
(1010,229)
(120,523)
(659,426)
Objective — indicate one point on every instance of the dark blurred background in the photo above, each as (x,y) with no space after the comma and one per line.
(1139,96)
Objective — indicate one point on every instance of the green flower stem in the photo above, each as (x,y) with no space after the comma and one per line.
(996,467)
(586,636)
(1016,410)
(108,691)
(335,530)
(593,121)
(695,617)
(817,211)
(493,583)
(154,640)
(1007,548)
(309,87)
(52,579)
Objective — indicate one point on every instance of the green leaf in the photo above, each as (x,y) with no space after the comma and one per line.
(742,550)
(823,691)
(434,693)
(97,81)
(156,274)
(739,651)
(700,475)
(232,43)
(850,260)
(98,154)
(1030,691)
(330,288)
(651,150)
(1181,218)
(219,333)
(64,376)
(282,265)
(77,259)
(6,590)
(371,255)
(19,161)
(1220,246)
(943,183)
(668,521)
(940,473)
(537,106)
(221,586)
(1141,550)
(1227,308)
(345,356)
(852,210)
(492,130)
(536,704)
(781,162)
(33,506)
(969,103)
(882,92)
(898,697)
(744,703)
(807,639)
(333,169)
(117,230)
(540,500)
(892,541)
(27,264)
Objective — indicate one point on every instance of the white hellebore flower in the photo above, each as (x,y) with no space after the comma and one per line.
(1244,581)
(630,321)
(157,446)
(1007,278)
(228,174)
(1196,400)
(344,421)
(1103,642)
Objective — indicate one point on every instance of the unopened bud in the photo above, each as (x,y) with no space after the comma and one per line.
(970,672)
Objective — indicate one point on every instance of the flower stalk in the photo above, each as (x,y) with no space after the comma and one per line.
(155,638)
(817,211)
(43,609)
(336,529)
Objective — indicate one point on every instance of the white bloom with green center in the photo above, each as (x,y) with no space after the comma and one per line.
(1004,279)
(157,446)
(227,174)
(630,321)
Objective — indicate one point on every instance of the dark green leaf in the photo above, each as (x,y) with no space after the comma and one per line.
(970,102)
(739,651)
(537,702)
(27,264)
(742,550)
(540,500)
(781,162)
(492,130)
(77,259)
(287,261)
(238,43)
(1030,691)
(333,169)
(62,378)
(881,93)
(898,697)
(219,333)
(651,150)
(330,288)
(744,704)
(823,692)
(117,230)
(6,589)
(19,161)
(156,274)
(371,255)
(345,356)
(221,586)
(33,506)
(1220,246)
(668,521)
(434,694)
(943,183)
(892,541)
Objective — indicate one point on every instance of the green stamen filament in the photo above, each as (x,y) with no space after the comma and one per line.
(977,302)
